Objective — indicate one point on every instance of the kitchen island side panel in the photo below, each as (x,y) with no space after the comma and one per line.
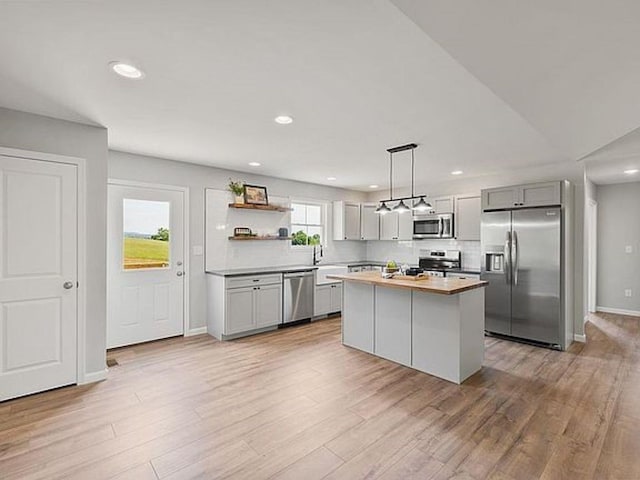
(436,335)
(392,324)
(471,332)
(358,316)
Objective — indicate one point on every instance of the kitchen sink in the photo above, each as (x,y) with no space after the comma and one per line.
(324,270)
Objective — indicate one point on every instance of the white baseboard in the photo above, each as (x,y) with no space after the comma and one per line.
(580,338)
(619,311)
(196,331)
(92,377)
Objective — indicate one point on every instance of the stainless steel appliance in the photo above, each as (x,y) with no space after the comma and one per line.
(435,225)
(521,260)
(298,296)
(436,263)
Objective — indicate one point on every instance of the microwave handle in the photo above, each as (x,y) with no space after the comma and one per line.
(440,226)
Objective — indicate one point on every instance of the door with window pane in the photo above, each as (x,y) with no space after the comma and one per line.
(145,264)
(307,224)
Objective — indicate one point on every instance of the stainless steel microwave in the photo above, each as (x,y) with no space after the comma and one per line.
(438,225)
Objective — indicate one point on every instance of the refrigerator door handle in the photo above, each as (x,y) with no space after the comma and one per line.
(507,258)
(516,257)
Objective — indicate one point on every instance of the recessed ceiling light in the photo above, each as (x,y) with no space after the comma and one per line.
(331,179)
(126,70)
(457,172)
(631,171)
(373,186)
(255,164)
(283,119)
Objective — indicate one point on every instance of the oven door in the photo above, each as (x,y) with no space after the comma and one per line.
(427,226)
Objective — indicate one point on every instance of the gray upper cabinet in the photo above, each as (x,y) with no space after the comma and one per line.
(468,213)
(495,198)
(539,194)
(396,226)
(346,221)
(442,204)
(369,222)
(531,195)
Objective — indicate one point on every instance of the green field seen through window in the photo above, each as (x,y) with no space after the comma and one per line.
(145,253)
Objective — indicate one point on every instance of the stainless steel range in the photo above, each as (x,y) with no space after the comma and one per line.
(437,262)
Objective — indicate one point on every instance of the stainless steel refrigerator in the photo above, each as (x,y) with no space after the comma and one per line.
(522,259)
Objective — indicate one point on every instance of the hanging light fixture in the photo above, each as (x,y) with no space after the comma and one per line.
(421,206)
(383,209)
(401,207)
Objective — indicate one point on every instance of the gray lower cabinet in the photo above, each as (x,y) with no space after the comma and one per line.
(239,305)
(268,304)
(240,310)
(327,299)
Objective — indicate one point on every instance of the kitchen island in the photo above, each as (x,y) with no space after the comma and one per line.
(435,324)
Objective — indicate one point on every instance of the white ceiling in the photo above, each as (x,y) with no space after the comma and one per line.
(358,77)
(607,165)
(570,67)
(507,85)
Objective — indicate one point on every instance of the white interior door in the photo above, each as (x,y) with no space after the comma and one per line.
(145,252)
(38,276)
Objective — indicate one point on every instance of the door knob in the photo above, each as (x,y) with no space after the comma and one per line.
(179,263)
(180,274)
(68,285)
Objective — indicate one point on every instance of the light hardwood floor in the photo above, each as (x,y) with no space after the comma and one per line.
(296,404)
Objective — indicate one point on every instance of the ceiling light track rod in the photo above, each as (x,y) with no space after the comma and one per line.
(402,148)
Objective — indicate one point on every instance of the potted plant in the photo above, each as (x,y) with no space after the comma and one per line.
(237,188)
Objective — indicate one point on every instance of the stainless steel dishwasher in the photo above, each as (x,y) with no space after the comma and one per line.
(298,296)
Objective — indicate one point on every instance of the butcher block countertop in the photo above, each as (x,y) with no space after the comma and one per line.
(441,285)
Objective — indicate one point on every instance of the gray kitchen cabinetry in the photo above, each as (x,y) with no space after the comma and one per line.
(244,304)
(467,218)
(346,221)
(396,226)
(328,299)
(442,204)
(369,222)
(530,195)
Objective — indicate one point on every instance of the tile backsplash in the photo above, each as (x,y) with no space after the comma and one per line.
(409,251)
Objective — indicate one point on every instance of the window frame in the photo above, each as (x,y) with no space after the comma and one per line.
(323,220)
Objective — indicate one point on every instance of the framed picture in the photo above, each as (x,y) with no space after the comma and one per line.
(255,195)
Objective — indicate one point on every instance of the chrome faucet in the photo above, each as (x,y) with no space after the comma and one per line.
(316,257)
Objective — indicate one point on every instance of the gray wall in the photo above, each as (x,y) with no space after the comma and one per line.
(43,134)
(126,166)
(618,226)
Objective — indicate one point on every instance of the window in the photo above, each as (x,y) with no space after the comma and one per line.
(146,234)
(307,223)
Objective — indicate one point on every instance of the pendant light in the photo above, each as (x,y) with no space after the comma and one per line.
(421,206)
(383,209)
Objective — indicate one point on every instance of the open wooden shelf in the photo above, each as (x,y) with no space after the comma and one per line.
(264,208)
(260,238)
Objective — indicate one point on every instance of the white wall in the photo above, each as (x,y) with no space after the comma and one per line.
(125,166)
(43,134)
(618,227)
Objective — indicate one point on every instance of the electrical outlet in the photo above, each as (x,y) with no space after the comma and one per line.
(628,249)
(627,292)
